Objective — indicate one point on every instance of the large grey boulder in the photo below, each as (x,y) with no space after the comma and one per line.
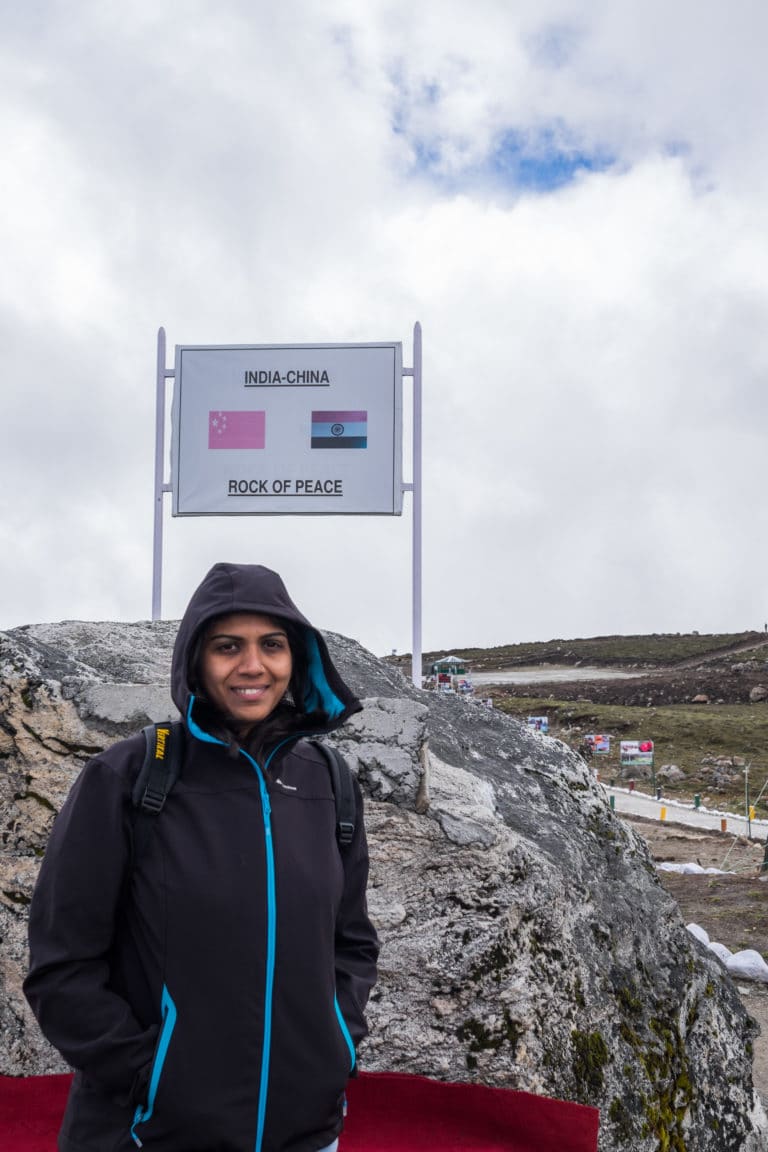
(526,941)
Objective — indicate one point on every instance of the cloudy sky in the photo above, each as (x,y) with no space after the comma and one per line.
(571,198)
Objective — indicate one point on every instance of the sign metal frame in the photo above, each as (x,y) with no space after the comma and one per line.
(357,485)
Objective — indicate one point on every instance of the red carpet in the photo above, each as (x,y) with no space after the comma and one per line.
(388,1112)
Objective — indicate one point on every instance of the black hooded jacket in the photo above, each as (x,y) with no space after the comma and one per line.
(210,992)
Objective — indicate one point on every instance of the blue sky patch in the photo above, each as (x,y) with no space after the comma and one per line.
(540,158)
(543,162)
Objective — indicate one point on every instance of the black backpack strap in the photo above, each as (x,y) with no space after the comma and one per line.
(343,793)
(160,769)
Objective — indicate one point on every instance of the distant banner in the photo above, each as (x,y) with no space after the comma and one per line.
(636,753)
(539,723)
(600,743)
(287,429)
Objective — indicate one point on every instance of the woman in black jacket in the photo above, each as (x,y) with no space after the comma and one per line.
(209,990)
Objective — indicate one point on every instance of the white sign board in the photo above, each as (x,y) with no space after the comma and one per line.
(287,429)
(636,753)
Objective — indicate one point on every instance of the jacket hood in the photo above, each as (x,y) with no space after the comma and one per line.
(229,588)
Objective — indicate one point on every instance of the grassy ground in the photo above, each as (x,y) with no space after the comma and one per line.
(682,734)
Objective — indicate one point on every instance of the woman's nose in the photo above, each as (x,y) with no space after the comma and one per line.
(250,659)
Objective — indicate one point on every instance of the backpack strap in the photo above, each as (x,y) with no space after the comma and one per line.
(160,769)
(343,793)
(164,745)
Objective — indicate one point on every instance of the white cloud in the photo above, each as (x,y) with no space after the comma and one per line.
(594,356)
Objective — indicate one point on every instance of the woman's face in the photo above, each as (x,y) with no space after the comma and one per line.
(246,667)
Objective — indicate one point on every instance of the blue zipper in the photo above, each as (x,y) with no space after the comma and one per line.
(345,1033)
(271,936)
(144,1112)
(269,849)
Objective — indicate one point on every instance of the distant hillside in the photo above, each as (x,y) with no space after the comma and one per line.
(667,650)
(702,699)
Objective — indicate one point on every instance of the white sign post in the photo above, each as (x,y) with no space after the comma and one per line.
(302,429)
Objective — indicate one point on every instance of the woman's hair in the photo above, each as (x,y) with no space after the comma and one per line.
(288,718)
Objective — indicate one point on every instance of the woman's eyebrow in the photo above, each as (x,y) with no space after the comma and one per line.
(235,636)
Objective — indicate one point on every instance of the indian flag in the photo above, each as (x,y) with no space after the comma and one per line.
(338,429)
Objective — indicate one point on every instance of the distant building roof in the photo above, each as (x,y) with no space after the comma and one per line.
(449,664)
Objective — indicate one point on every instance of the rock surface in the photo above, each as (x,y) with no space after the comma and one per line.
(526,939)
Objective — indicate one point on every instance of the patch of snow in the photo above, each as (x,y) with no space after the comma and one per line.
(723,954)
(749,965)
(699,932)
(746,965)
